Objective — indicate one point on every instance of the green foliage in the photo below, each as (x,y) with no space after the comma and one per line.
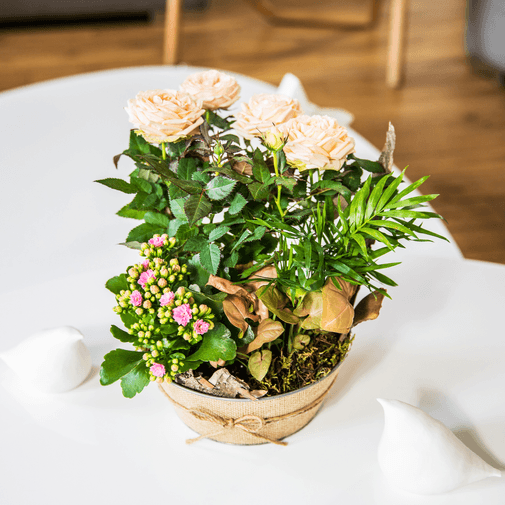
(117,364)
(216,345)
(230,205)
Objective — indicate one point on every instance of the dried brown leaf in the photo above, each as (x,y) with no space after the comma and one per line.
(368,308)
(242,168)
(267,331)
(386,156)
(227,286)
(269,272)
(236,309)
(338,313)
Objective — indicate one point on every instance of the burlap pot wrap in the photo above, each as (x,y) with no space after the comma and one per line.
(248,422)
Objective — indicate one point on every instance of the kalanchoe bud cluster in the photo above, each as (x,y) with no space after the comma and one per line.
(165,310)
(194,320)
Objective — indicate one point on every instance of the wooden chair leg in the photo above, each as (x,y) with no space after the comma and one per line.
(172,31)
(397,35)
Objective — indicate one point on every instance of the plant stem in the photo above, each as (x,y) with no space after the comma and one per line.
(278,199)
(163,151)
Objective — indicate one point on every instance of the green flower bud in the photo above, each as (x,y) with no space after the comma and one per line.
(178,302)
(155,353)
(174,368)
(146,357)
(172,278)
(171,242)
(151,311)
(152,378)
(139,311)
(180,277)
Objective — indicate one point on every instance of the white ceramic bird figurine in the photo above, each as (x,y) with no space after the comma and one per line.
(419,454)
(53,361)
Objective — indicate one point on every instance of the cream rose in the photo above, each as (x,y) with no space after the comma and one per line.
(165,115)
(316,142)
(215,89)
(263,111)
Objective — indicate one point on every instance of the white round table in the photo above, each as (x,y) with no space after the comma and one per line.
(438,345)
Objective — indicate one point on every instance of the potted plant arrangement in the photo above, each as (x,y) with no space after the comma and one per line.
(259,229)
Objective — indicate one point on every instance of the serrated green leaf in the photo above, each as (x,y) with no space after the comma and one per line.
(216,345)
(200,177)
(352,180)
(219,188)
(185,232)
(116,284)
(210,256)
(325,186)
(126,211)
(258,191)
(257,234)
(157,218)
(187,167)
(142,184)
(260,170)
(218,232)
(196,243)
(177,208)
(135,381)
(173,226)
(231,260)
(118,363)
(287,182)
(118,185)
(122,335)
(237,204)
(144,232)
(196,207)
(231,174)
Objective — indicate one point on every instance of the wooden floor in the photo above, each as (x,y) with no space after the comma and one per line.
(450,122)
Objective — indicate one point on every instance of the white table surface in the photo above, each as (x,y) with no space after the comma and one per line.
(439,344)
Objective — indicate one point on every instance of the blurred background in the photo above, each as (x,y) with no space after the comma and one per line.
(449,111)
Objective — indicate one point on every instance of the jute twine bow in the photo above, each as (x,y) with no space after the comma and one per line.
(249,423)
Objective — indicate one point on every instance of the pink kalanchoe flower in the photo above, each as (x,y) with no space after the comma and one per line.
(145,276)
(136,299)
(201,327)
(156,241)
(166,298)
(157,369)
(182,314)
(145,264)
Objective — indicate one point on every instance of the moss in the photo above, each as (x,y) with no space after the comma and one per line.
(290,372)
